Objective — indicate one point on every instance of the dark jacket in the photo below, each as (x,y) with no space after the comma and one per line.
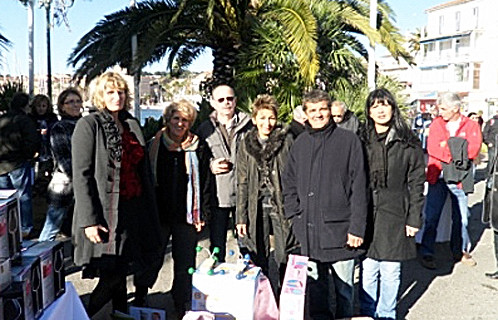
(60,188)
(295,128)
(19,140)
(460,167)
(96,155)
(45,121)
(350,122)
(252,161)
(325,192)
(224,185)
(490,131)
(398,204)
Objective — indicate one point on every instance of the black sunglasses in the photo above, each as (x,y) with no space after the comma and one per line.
(229,99)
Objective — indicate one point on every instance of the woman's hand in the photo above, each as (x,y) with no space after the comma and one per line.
(92,233)
(411,231)
(199,225)
(242,229)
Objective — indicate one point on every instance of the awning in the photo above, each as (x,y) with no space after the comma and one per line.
(446,37)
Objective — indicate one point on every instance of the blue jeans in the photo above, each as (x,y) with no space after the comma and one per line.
(379,287)
(20,179)
(53,223)
(436,197)
(330,277)
(218,227)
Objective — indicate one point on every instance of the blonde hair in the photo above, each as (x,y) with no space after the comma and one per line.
(111,80)
(184,107)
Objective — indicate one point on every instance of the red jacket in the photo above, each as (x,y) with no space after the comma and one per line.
(437,145)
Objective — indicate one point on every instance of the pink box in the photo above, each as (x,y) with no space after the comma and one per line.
(294,288)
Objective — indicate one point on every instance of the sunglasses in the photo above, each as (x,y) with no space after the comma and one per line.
(229,99)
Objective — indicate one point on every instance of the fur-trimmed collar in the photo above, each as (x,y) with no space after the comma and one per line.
(272,146)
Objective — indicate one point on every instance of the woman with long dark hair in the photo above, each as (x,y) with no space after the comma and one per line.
(396,171)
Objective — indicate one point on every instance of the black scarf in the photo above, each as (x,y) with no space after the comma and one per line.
(377,159)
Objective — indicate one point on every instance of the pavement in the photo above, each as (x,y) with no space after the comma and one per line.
(452,291)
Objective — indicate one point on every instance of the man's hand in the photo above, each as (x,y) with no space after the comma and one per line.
(242,230)
(411,231)
(354,241)
(199,225)
(220,165)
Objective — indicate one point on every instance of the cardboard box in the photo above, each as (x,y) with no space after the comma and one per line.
(18,301)
(52,278)
(147,314)
(225,293)
(5,274)
(294,288)
(4,235)
(29,272)
(9,206)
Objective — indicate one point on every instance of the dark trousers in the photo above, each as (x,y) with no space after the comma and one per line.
(183,243)
(111,287)
(218,227)
(495,238)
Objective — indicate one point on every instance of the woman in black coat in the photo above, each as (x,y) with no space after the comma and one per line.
(260,161)
(396,171)
(115,223)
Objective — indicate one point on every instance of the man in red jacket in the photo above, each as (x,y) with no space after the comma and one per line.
(448,132)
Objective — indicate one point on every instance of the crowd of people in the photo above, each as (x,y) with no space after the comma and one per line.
(341,192)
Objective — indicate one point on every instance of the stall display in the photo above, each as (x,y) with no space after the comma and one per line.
(294,288)
(9,206)
(30,274)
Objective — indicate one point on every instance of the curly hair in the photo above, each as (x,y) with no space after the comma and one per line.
(110,80)
(184,107)
(266,102)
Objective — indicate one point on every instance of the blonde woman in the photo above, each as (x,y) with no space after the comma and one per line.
(115,222)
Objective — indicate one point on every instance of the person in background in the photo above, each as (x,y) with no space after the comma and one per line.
(489,137)
(19,144)
(476,117)
(454,141)
(115,224)
(345,118)
(296,126)
(60,188)
(180,165)
(41,111)
(260,162)
(397,175)
(325,195)
(223,132)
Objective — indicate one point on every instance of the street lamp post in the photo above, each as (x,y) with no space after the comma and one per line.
(371,48)
(47,4)
(136,73)
(31,37)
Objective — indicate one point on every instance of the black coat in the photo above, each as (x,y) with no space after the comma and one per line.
(325,192)
(400,203)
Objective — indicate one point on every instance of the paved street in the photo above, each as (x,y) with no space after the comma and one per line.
(453,291)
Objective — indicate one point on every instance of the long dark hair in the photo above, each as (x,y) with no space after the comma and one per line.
(397,121)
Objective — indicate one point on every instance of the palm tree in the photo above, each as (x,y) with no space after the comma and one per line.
(184,29)
(4,44)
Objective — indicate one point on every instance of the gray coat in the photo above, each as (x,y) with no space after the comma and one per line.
(224,193)
(96,176)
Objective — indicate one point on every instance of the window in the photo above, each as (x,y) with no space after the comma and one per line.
(429,48)
(457,21)
(441,24)
(476,76)
(462,72)
(476,17)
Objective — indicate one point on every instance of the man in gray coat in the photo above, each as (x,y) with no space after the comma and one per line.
(345,118)
(223,132)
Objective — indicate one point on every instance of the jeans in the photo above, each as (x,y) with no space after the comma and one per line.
(379,287)
(53,222)
(218,228)
(331,278)
(20,179)
(436,197)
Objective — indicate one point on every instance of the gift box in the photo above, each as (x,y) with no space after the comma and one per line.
(294,288)
(9,206)
(30,273)
(229,289)
(18,301)
(51,254)
(5,274)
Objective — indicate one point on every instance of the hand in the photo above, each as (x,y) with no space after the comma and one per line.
(221,165)
(354,241)
(411,231)
(199,225)
(92,233)
(241,229)
(442,144)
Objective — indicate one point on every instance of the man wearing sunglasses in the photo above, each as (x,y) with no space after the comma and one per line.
(223,131)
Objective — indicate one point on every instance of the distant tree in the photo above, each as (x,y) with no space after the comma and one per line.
(7,92)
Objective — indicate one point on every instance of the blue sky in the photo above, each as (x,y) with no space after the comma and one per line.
(86,13)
